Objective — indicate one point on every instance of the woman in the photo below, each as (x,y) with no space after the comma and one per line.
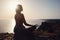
(19,30)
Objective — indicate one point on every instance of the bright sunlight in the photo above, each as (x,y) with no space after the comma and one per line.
(12,5)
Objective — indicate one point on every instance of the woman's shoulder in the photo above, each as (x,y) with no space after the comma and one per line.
(19,15)
(22,14)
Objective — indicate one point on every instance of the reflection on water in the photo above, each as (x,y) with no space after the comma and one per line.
(7,25)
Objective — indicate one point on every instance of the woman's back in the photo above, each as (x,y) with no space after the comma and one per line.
(19,21)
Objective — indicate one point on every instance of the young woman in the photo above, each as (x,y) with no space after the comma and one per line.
(19,29)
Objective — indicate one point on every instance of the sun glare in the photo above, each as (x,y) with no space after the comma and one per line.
(12,5)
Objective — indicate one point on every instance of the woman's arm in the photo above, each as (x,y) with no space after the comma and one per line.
(26,22)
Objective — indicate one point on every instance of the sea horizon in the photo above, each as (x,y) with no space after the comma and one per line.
(7,25)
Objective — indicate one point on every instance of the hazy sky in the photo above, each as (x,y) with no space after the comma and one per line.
(40,9)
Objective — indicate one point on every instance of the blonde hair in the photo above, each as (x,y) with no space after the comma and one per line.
(19,8)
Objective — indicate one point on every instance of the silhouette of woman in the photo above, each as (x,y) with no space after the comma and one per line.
(19,29)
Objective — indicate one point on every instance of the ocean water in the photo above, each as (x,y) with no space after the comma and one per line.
(7,25)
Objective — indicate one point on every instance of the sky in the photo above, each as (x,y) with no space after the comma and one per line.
(32,9)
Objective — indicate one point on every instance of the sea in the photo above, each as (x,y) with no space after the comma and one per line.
(7,25)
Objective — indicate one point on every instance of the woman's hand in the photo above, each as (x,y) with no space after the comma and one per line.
(35,25)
